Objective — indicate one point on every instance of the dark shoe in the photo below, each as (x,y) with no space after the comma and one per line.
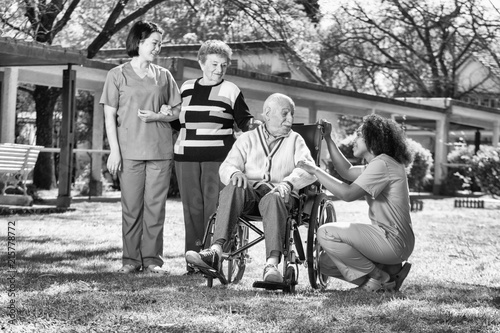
(128,268)
(390,269)
(373,285)
(272,274)
(207,261)
(401,275)
(191,273)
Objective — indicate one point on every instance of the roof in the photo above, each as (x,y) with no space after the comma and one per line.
(488,61)
(235,46)
(15,52)
(172,50)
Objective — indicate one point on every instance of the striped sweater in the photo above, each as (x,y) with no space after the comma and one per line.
(251,155)
(207,118)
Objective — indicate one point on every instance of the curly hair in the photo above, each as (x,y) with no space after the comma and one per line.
(214,46)
(385,136)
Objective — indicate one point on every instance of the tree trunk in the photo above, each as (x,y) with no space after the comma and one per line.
(45,100)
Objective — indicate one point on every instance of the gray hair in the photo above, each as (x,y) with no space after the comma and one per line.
(214,46)
(279,99)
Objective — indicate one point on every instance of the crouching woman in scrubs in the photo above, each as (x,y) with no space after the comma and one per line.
(140,140)
(369,254)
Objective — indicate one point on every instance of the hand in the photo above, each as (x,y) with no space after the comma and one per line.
(239,179)
(256,123)
(307,166)
(166,110)
(114,163)
(327,127)
(284,191)
(147,115)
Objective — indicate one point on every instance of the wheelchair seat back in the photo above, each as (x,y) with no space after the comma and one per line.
(313,137)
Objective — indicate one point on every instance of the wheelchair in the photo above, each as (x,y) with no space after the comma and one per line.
(313,208)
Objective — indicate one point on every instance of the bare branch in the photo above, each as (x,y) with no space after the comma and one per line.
(111,27)
(66,17)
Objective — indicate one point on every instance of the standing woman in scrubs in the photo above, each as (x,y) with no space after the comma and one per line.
(140,140)
(211,107)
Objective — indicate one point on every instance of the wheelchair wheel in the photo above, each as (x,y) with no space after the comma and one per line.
(207,241)
(322,212)
(234,266)
(291,280)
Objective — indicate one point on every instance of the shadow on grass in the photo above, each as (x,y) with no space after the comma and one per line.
(40,257)
(111,300)
(55,251)
(54,257)
(425,305)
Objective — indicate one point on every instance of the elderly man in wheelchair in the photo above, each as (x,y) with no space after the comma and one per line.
(261,177)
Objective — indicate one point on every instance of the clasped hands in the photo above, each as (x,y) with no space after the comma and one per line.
(149,116)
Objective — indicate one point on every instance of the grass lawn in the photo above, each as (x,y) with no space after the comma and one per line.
(64,280)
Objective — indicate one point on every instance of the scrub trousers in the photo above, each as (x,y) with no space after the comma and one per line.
(352,249)
(144,189)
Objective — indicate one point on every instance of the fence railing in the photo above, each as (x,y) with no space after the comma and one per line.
(76,150)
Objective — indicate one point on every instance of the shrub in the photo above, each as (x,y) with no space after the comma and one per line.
(461,177)
(419,172)
(345,146)
(485,167)
(81,183)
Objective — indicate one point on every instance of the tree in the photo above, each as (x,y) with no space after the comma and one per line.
(405,48)
(93,24)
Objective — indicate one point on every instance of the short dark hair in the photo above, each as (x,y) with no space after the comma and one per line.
(385,136)
(214,46)
(140,31)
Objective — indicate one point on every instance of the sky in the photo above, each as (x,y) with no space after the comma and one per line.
(329,6)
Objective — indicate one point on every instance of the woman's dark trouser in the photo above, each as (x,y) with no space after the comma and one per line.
(199,187)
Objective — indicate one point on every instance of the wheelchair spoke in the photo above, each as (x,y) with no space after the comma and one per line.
(235,261)
(322,212)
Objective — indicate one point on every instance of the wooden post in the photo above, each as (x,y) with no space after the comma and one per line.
(440,153)
(67,137)
(9,83)
(477,141)
(95,184)
(496,134)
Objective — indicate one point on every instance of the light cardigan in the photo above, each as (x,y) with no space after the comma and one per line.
(250,154)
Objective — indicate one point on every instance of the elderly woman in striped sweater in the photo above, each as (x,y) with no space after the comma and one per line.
(260,175)
(211,108)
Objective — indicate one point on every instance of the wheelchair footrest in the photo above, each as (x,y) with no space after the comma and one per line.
(213,274)
(271,285)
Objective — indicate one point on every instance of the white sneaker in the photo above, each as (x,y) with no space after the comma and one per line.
(272,274)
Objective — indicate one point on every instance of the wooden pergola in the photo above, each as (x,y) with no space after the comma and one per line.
(29,62)
(35,63)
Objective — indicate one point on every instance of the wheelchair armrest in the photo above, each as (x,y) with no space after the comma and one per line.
(311,189)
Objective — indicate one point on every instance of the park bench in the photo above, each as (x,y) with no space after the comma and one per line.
(16,162)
